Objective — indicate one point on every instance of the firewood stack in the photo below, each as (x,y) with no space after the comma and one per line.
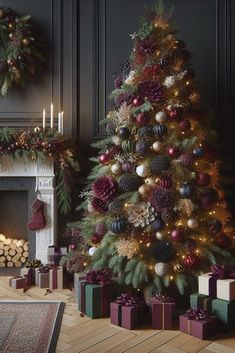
(13,252)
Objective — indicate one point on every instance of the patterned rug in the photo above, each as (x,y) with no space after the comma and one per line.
(29,326)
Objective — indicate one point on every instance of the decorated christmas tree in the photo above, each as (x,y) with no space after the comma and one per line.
(154,212)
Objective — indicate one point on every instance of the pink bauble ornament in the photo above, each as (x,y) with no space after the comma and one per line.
(142,119)
(185,125)
(177,234)
(173,152)
(104,159)
(203,179)
(191,261)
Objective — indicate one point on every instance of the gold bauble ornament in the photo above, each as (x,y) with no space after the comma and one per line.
(149,181)
(144,189)
(192,223)
(25,41)
(116,168)
(178,267)
(157,145)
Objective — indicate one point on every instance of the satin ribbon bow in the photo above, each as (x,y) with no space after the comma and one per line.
(98,276)
(44,269)
(33,263)
(164,298)
(127,300)
(197,314)
(222,272)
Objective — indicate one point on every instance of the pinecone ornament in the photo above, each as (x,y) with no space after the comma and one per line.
(129,182)
(104,188)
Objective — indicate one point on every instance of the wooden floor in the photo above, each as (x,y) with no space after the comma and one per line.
(81,334)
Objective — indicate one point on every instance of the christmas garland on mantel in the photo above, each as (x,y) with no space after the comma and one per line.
(37,144)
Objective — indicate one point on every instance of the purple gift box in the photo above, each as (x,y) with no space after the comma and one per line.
(55,254)
(163,309)
(124,316)
(202,328)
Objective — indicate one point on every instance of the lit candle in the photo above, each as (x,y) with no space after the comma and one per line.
(44,119)
(51,115)
(62,123)
(59,122)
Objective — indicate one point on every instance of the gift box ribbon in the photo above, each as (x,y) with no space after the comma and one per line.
(126,300)
(164,299)
(98,276)
(46,268)
(195,314)
(222,272)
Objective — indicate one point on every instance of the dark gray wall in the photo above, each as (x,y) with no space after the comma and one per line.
(56,21)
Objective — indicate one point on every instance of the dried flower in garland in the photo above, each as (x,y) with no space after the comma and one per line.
(141,214)
(49,144)
(127,247)
(21,56)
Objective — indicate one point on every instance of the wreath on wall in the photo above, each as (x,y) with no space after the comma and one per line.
(34,144)
(20,50)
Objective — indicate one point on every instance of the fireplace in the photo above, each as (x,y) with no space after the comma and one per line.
(20,183)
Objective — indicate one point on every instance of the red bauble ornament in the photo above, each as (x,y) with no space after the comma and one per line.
(191,261)
(104,158)
(165,182)
(173,152)
(96,238)
(142,119)
(175,114)
(177,234)
(223,241)
(137,101)
(73,247)
(203,179)
(184,125)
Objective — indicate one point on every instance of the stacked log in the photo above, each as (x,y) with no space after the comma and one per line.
(13,252)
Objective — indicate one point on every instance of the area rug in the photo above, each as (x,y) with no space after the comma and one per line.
(29,326)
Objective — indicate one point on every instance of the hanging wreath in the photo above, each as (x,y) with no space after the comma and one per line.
(20,55)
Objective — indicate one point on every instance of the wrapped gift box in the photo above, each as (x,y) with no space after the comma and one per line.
(56,277)
(201,301)
(162,313)
(225,312)
(17,282)
(43,280)
(124,316)
(207,285)
(202,329)
(36,272)
(226,289)
(97,300)
(54,254)
(77,278)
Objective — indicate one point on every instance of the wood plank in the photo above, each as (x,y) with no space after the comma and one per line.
(219,348)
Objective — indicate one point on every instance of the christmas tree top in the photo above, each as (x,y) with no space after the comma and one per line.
(155,212)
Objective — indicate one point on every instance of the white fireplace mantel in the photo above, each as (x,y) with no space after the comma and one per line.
(43,171)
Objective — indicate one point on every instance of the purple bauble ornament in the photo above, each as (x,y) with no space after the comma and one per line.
(186,159)
(208,199)
(165,182)
(128,166)
(142,147)
(203,179)
(185,125)
(177,234)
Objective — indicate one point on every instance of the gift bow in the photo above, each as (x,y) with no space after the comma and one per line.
(127,300)
(222,272)
(163,298)
(196,314)
(33,263)
(98,276)
(45,269)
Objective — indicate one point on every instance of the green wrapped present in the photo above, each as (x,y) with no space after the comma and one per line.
(201,301)
(97,300)
(224,310)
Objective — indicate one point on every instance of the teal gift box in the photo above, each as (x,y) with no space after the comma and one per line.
(201,301)
(225,312)
(97,300)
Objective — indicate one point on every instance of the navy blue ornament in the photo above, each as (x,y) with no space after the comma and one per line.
(163,251)
(185,190)
(124,133)
(159,130)
(142,147)
(146,131)
(198,152)
(157,224)
(119,225)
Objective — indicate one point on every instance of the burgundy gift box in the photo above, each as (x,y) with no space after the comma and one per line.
(199,328)
(124,316)
(17,282)
(162,314)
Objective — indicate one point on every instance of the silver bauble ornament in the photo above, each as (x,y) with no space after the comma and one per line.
(160,235)
(161,268)
(161,117)
(116,168)
(142,170)
(92,250)
(157,145)
(37,129)
(116,140)
(192,223)
(169,81)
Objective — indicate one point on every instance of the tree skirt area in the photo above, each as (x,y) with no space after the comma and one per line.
(29,326)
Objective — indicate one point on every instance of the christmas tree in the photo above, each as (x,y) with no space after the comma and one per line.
(154,211)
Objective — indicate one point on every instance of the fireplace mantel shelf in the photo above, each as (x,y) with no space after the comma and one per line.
(43,172)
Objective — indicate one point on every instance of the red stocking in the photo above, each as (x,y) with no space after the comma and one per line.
(38,220)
